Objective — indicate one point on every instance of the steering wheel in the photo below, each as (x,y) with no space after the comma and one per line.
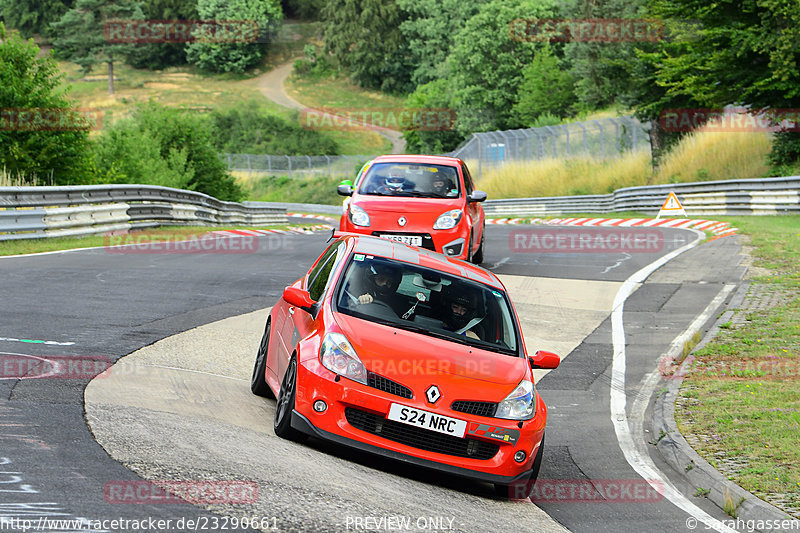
(381,308)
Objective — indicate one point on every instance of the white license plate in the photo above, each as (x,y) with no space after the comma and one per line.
(427,420)
(413,240)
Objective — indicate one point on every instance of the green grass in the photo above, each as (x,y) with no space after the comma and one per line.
(165,233)
(315,190)
(743,390)
(338,93)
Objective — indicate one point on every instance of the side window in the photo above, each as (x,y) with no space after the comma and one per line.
(322,272)
(467,179)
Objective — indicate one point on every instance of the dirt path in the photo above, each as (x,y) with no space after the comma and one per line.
(271,85)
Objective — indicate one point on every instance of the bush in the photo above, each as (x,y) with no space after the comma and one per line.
(234,57)
(168,147)
(249,129)
(785,154)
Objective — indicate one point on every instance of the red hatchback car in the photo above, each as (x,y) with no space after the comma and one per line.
(425,201)
(408,354)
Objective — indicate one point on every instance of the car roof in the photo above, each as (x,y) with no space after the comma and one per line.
(378,246)
(432,159)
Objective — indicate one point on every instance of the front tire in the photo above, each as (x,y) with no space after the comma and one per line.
(282,423)
(478,257)
(258,382)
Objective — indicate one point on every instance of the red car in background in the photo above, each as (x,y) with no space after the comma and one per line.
(424,201)
(408,354)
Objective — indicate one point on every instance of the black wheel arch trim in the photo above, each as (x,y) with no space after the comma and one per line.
(301,423)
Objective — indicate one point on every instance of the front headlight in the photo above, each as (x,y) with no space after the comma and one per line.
(520,404)
(448,220)
(338,355)
(358,216)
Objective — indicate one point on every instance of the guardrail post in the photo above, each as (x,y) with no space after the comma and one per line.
(309,163)
(328,159)
(229,161)
(289,159)
(249,169)
(269,164)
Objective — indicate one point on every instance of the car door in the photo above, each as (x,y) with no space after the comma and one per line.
(299,323)
(474,210)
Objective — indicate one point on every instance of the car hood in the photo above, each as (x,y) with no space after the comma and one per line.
(418,361)
(381,204)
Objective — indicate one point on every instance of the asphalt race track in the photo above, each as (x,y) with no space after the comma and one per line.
(96,306)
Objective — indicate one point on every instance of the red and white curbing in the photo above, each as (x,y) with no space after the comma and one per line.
(322,218)
(261,232)
(719,229)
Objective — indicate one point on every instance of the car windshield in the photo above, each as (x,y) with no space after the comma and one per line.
(411,179)
(429,302)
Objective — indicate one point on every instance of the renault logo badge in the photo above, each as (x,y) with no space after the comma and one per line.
(433,394)
(402,221)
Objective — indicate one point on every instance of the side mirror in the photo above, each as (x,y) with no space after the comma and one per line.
(298,298)
(476,196)
(544,360)
(345,190)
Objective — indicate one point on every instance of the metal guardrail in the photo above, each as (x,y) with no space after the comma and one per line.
(35,212)
(767,196)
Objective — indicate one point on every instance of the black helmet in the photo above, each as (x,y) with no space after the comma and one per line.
(461,306)
(382,279)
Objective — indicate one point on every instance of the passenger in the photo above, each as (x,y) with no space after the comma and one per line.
(461,313)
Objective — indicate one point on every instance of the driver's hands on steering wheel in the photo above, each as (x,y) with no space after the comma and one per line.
(365,299)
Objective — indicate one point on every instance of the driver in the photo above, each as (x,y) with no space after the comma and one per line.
(461,313)
(376,282)
(441,185)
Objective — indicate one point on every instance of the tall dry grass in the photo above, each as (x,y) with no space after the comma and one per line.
(15,180)
(700,156)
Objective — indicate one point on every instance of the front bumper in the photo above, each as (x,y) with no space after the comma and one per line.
(317,383)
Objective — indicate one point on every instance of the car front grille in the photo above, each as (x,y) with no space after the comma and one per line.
(423,439)
(379,382)
(475,408)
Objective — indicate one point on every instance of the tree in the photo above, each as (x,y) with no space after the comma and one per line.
(487,62)
(80,34)
(429,30)
(365,39)
(602,70)
(162,146)
(434,96)
(31,17)
(742,52)
(546,89)
(31,149)
(235,56)
(160,55)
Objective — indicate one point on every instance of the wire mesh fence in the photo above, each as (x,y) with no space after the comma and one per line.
(297,166)
(599,138)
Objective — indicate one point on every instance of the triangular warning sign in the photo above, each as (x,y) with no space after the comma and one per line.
(671,206)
